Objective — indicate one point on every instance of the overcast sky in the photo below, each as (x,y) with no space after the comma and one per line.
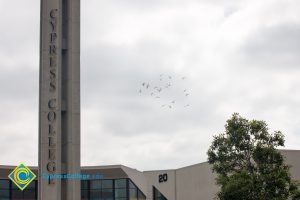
(237,56)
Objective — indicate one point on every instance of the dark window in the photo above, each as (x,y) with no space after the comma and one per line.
(121,189)
(84,194)
(4,189)
(84,185)
(16,194)
(107,194)
(95,189)
(120,193)
(107,183)
(95,195)
(133,191)
(95,184)
(133,194)
(85,189)
(4,194)
(120,183)
(4,184)
(109,189)
(29,194)
(141,196)
(157,195)
(31,186)
(14,186)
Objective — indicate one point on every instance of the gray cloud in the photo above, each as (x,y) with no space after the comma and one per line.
(114,89)
(234,61)
(19,85)
(275,46)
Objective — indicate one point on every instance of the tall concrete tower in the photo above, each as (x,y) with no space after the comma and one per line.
(59,103)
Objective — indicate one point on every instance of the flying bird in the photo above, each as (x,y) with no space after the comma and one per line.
(165,83)
(160,77)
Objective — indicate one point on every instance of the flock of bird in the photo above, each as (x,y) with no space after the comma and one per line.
(165,83)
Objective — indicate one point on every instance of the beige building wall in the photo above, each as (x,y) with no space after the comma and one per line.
(195,182)
(168,188)
(292,158)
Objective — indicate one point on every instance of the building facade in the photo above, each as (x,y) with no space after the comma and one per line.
(118,182)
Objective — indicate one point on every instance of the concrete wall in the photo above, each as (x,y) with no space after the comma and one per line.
(292,158)
(189,183)
(167,188)
(195,182)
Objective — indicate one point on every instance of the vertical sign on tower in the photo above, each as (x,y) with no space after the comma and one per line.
(59,99)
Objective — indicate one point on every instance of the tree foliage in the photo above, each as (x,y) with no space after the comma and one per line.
(248,163)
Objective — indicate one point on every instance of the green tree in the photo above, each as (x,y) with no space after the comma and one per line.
(248,164)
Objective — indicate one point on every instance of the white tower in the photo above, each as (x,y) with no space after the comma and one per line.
(59,103)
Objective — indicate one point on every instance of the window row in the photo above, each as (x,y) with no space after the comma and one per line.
(9,191)
(118,189)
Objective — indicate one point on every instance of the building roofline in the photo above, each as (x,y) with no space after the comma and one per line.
(289,150)
(197,164)
(123,166)
(102,166)
(158,170)
(14,166)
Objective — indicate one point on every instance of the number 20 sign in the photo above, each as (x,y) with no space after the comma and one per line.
(162,178)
